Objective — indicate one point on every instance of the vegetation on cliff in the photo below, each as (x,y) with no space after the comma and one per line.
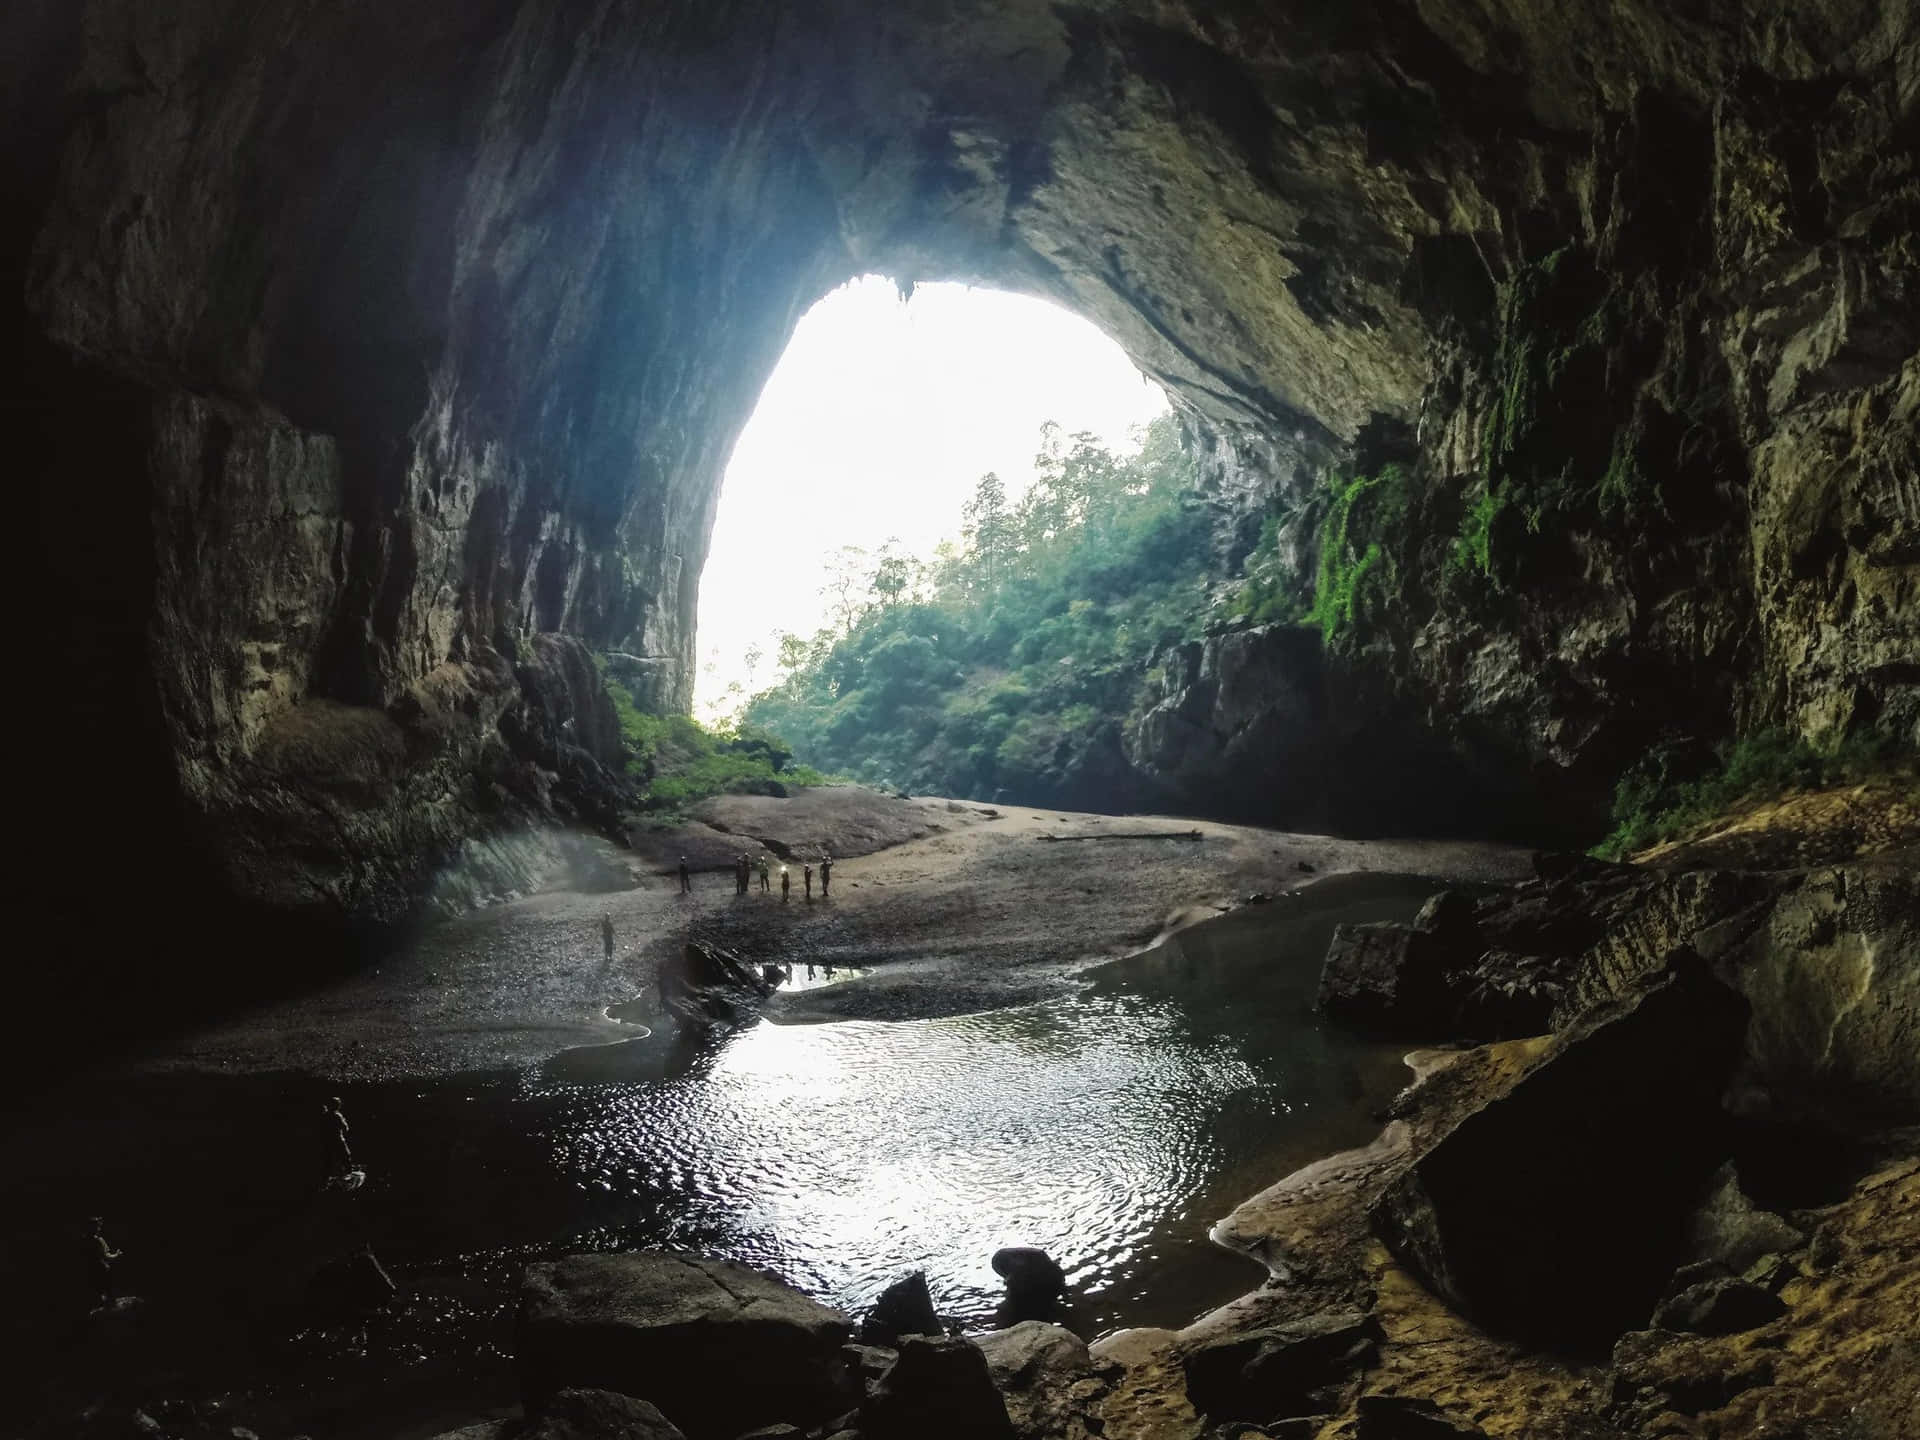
(1008,660)
(674,760)
(1675,790)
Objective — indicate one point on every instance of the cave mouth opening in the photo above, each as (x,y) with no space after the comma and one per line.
(886,408)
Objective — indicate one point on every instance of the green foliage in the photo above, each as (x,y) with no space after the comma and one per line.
(1661,796)
(995,664)
(1559,440)
(1473,546)
(675,760)
(1363,517)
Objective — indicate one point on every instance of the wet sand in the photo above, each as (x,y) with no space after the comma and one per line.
(948,906)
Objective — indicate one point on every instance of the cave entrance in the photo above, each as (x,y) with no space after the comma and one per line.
(885,410)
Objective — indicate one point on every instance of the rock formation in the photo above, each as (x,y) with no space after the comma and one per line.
(356,411)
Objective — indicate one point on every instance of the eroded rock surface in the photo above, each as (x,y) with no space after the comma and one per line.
(718,1347)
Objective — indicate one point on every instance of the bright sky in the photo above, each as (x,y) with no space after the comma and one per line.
(876,424)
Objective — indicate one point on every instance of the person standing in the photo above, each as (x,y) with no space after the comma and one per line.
(100,1258)
(765,865)
(826,874)
(606,933)
(806,872)
(339,1152)
(686,877)
(786,885)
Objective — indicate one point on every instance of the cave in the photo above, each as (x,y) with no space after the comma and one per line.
(374,369)
(399,380)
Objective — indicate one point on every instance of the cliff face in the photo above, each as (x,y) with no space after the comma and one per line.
(374,360)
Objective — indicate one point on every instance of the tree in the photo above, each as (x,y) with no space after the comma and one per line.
(989,531)
(896,575)
(848,574)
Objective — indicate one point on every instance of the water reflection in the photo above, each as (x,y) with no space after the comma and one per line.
(1109,1129)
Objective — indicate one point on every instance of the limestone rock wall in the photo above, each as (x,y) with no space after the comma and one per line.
(362,351)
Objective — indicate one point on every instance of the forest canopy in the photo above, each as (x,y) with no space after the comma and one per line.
(1008,661)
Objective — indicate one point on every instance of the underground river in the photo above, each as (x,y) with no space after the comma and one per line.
(1110,1128)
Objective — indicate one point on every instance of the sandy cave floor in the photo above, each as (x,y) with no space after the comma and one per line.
(952,906)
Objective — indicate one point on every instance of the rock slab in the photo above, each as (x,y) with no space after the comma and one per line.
(1558,1211)
(718,1347)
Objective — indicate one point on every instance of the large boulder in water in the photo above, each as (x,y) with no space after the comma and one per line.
(1386,979)
(1035,1281)
(1558,1211)
(709,987)
(903,1308)
(719,1347)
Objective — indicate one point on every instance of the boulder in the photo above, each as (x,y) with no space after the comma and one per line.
(1035,1281)
(1730,1230)
(1387,979)
(598,1415)
(867,1365)
(1050,1383)
(719,1347)
(1558,1211)
(1449,915)
(1720,1306)
(940,1389)
(708,987)
(1506,996)
(1282,1370)
(904,1308)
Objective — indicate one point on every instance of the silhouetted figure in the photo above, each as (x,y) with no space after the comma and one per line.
(100,1258)
(807,874)
(786,885)
(339,1153)
(686,877)
(809,970)
(765,866)
(744,871)
(826,874)
(606,934)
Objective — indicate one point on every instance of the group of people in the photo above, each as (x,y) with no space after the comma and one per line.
(744,866)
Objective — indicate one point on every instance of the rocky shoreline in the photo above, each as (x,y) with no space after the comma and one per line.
(1686,1205)
(1666,1182)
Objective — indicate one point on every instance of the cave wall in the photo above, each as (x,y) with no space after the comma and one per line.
(360,347)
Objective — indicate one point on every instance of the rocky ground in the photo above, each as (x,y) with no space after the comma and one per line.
(1665,1184)
(948,906)
(1682,1200)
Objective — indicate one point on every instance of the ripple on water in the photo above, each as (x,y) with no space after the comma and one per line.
(851,1153)
(1110,1129)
